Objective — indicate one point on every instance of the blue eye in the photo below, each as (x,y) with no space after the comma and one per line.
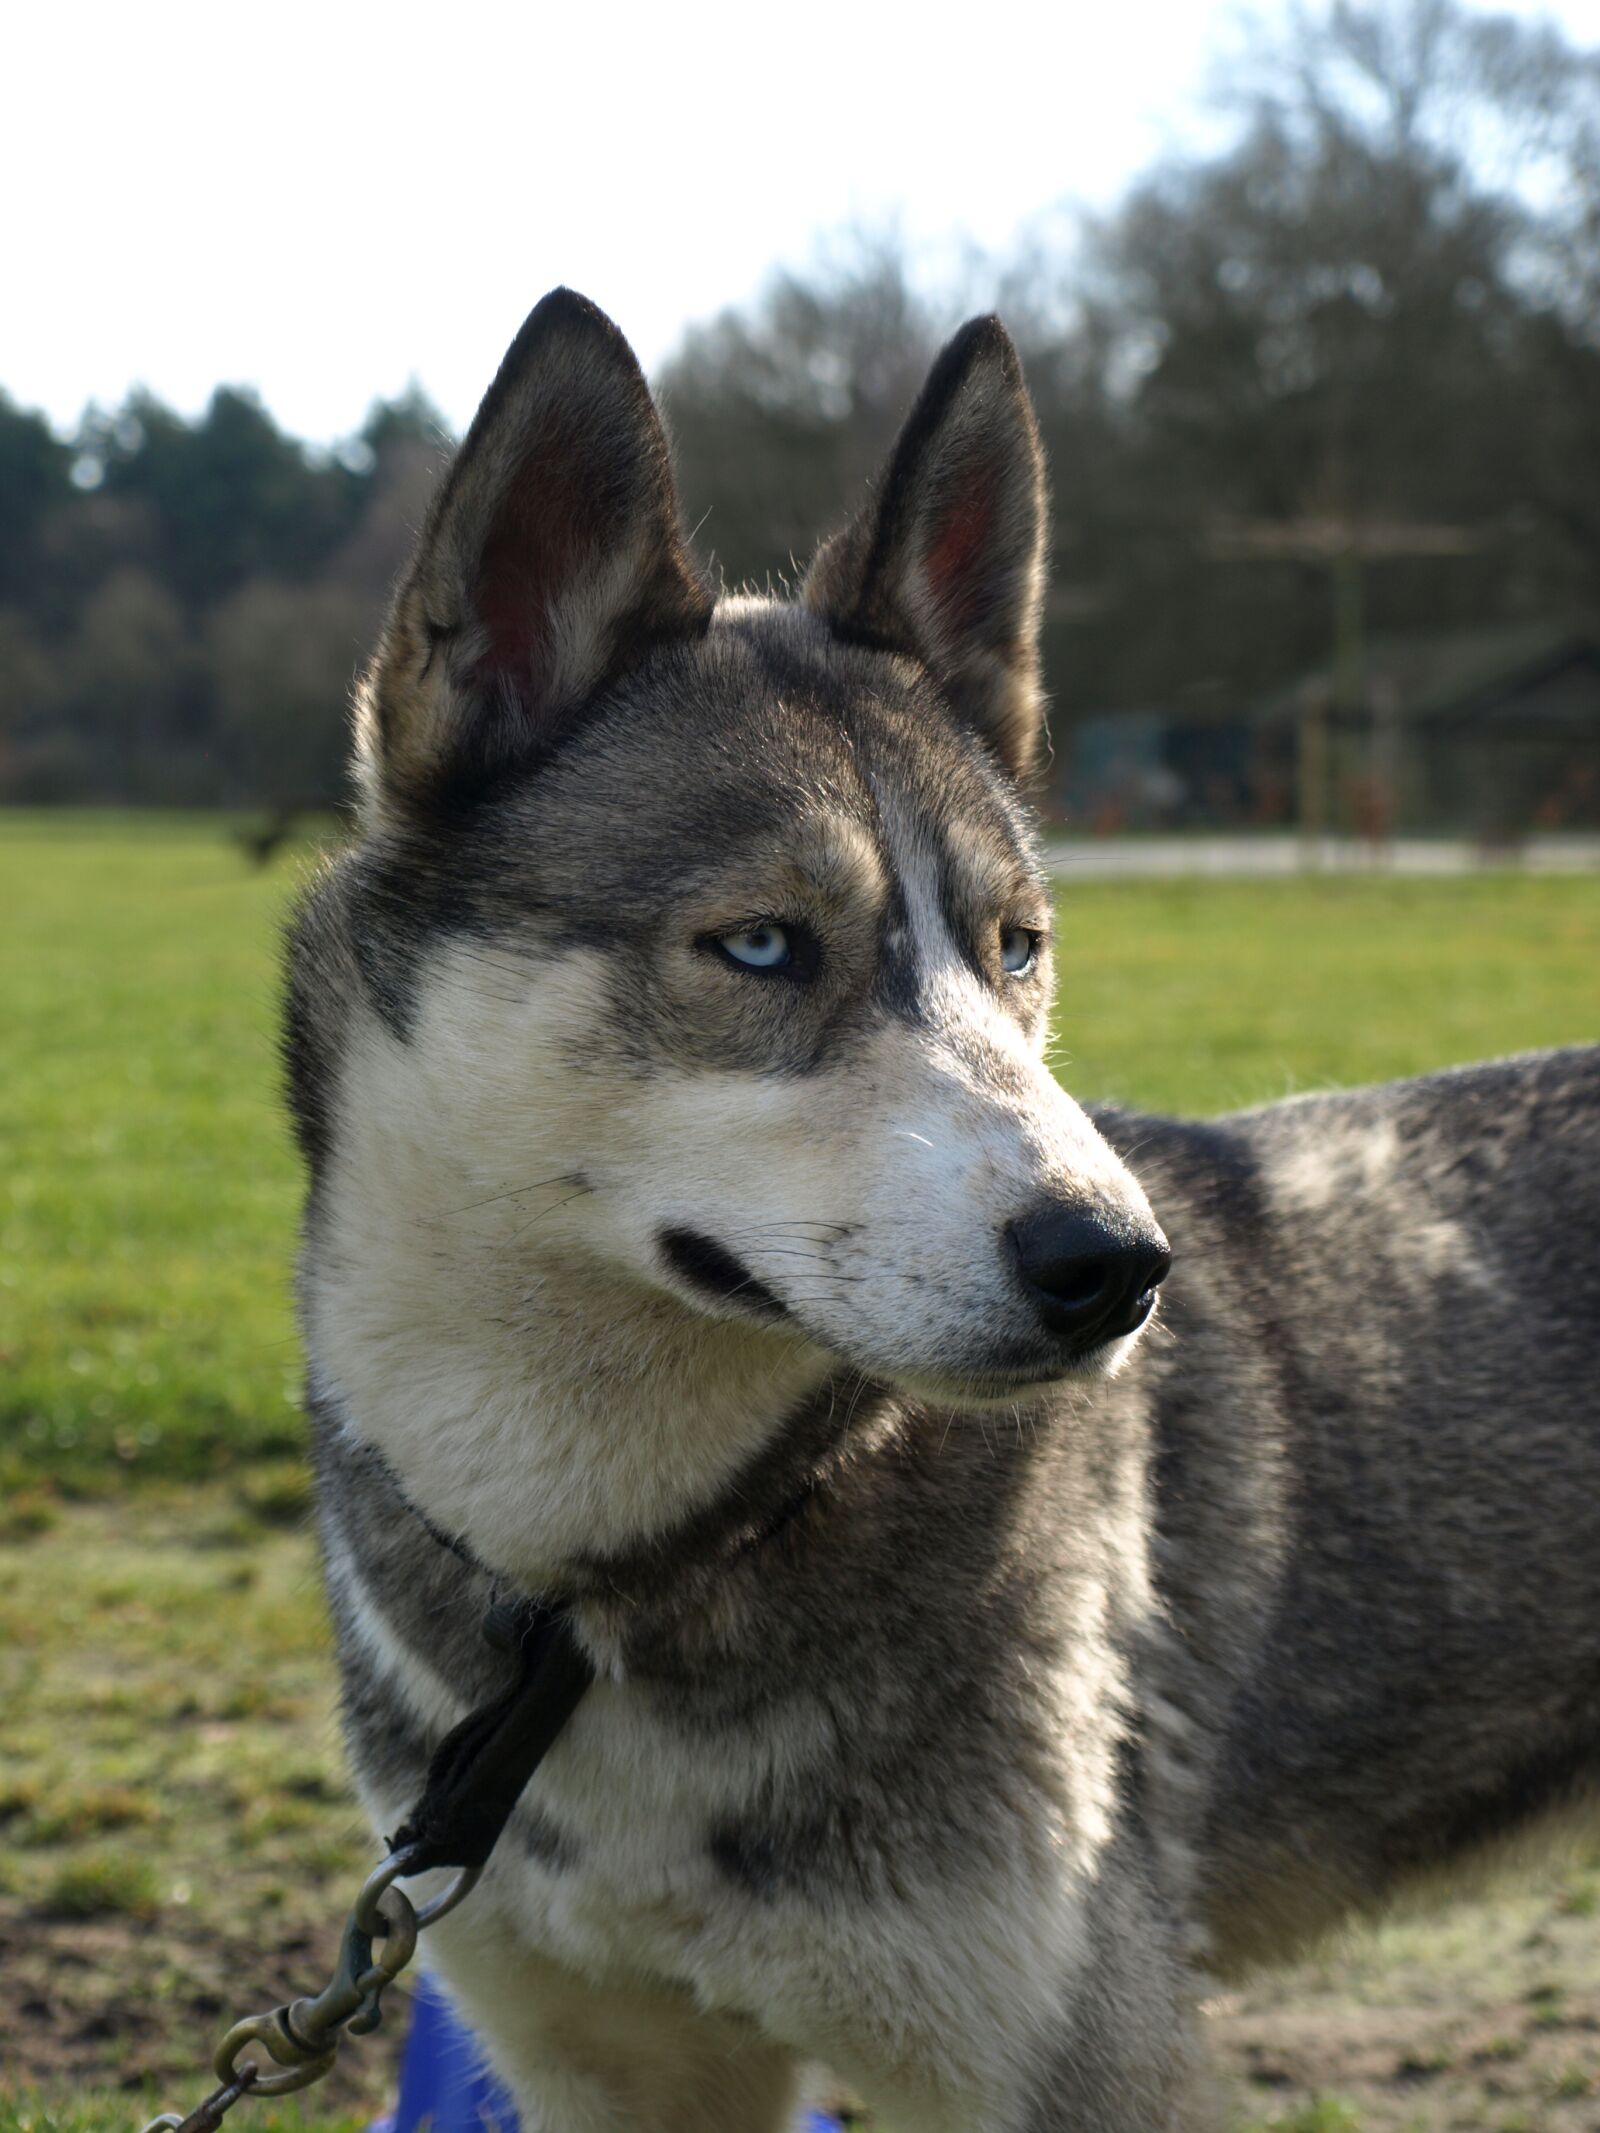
(1018,947)
(761,947)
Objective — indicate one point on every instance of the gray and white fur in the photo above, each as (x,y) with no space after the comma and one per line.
(696,1233)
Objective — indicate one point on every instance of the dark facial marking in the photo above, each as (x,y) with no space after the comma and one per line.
(897,985)
(709,1267)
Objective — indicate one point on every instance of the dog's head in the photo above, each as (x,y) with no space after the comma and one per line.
(712,950)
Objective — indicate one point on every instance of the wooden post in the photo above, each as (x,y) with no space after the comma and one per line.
(1346,545)
(1311,767)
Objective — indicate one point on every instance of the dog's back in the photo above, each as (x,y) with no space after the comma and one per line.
(1379,1474)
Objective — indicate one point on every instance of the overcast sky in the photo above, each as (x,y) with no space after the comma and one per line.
(325,200)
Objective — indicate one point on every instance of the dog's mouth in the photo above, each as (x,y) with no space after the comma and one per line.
(712,1270)
(720,1277)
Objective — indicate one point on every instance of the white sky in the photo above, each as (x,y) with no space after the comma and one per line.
(327,200)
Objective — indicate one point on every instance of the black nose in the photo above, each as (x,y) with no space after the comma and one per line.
(1088,1281)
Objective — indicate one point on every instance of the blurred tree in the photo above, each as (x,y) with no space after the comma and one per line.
(41,758)
(1337,320)
(130,691)
(35,482)
(228,497)
(781,413)
(401,451)
(282,659)
(399,426)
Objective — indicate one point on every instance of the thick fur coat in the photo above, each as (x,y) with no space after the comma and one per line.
(696,1233)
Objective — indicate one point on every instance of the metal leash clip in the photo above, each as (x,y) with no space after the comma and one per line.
(302,2038)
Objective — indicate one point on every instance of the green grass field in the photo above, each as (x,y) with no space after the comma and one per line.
(176,1839)
(149,1193)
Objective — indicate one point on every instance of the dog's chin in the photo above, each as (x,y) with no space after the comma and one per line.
(1010,1383)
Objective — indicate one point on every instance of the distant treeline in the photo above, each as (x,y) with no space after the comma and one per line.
(183,605)
(1371,322)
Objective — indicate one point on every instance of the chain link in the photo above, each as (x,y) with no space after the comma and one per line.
(302,2038)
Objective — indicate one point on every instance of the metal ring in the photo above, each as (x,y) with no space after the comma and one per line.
(463,1885)
(368,1911)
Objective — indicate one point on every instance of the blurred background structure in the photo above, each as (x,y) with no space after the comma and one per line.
(1322,401)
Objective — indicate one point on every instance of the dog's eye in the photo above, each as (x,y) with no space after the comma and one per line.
(1018,947)
(762,947)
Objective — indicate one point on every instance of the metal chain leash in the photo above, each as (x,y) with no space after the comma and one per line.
(475,1778)
(302,2038)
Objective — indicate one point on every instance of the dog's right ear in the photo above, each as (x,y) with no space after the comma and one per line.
(553,558)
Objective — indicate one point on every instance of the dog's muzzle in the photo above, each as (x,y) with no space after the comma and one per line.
(1088,1282)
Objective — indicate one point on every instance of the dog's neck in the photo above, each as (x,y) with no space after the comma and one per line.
(576,1429)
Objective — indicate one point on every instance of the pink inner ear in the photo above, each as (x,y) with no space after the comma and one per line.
(953,563)
(549,525)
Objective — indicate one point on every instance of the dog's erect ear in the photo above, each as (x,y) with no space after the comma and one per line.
(947,561)
(553,559)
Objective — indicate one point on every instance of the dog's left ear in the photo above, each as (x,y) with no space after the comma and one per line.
(947,561)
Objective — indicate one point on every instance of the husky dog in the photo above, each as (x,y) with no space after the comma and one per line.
(696,1234)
